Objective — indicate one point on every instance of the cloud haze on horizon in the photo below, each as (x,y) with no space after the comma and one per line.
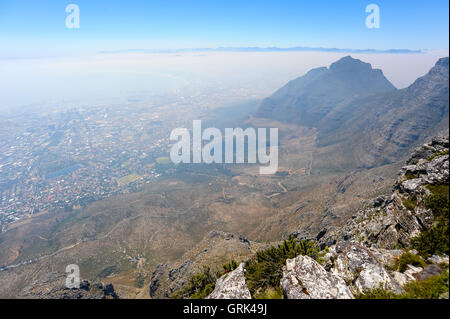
(42,61)
(127,75)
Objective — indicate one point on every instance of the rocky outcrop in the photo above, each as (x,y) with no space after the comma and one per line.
(231,286)
(402,216)
(52,286)
(361,270)
(216,249)
(304,278)
(363,255)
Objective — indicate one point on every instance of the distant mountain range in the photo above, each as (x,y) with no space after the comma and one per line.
(356,110)
(266,49)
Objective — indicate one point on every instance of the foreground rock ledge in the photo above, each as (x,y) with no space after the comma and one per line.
(304,278)
(231,286)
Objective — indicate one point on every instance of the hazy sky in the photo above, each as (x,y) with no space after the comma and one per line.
(37,27)
(41,60)
(126,75)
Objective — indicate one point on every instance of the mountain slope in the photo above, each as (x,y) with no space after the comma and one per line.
(308,99)
(360,117)
(382,128)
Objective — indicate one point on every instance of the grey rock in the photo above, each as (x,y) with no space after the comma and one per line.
(360,269)
(231,286)
(438,259)
(429,271)
(304,278)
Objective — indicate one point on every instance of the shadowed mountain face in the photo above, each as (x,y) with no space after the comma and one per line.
(358,112)
(308,99)
(381,128)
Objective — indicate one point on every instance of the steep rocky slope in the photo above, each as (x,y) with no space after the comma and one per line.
(382,128)
(216,249)
(308,99)
(373,251)
(53,286)
(359,115)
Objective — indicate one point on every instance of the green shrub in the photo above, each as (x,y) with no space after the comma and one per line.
(265,270)
(140,280)
(230,266)
(401,264)
(430,288)
(435,241)
(199,287)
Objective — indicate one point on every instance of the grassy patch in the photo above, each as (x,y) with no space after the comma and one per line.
(432,157)
(409,176)
(229,267)
(128,179)
(435,241)
(401,264)
(410,203)
(270,293)
(265,270)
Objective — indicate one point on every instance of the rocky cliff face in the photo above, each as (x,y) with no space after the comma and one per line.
(308,99)
(359,115)
(392,221)
(383,127)
(216,249)
(364,254)
(53,287)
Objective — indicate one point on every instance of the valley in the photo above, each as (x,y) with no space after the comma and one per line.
(210,213)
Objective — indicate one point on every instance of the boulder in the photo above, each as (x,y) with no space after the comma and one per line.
(304,278)
(430,271)
(360,269)
(438,259)
(231,286)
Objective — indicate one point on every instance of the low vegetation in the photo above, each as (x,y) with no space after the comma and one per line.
(432,157)
(406,259)
(431,288)
(265,270)
(410,203)
(202,285)
(199,287)
(435,241)
(230,266)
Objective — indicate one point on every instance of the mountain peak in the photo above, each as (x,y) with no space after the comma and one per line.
(309,99)
(349,64)
(442,62)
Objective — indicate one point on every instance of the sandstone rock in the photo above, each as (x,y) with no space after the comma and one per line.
(360,269)
(402,278)
(438,259)
(413,271)
(411,185)
(304,278)
(231,286)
